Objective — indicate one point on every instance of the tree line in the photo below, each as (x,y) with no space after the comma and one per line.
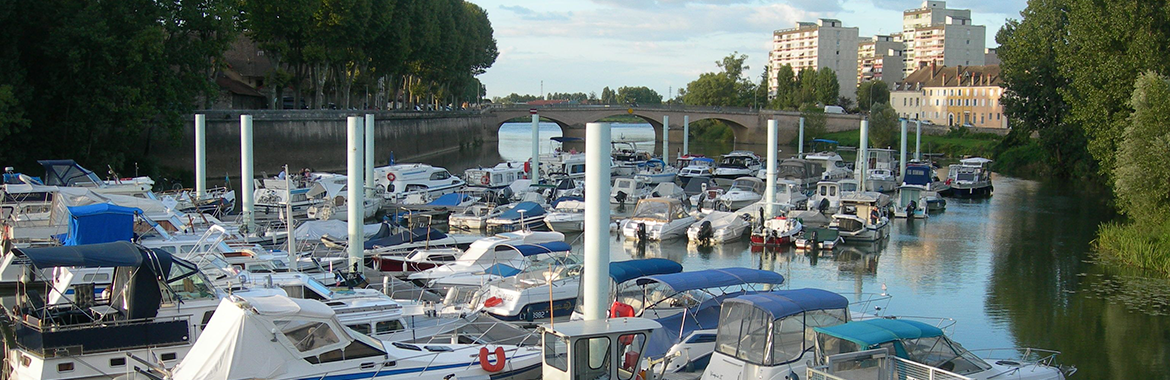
(1087,78)
(627,95)
(93,80)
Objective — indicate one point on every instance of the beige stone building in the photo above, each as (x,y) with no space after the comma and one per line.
(813,45)
(934,33)
(959,96)
(880,58)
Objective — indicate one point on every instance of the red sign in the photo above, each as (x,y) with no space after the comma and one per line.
(532,111)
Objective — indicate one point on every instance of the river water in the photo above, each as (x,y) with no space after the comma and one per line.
(1014,270)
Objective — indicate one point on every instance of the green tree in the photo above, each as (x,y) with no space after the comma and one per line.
(728,87)
(827,86)
(807,87)
(1143,158)
(787,90)
(815,121)
(608,96)
(871,93)
(884,127)
(638,95)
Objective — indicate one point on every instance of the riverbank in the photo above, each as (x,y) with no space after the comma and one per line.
(955,144)
(1139,245)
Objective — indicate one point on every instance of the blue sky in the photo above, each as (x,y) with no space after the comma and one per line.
(585,45)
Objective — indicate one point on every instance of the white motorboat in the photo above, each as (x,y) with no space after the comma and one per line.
(338,208)
(656,171)
(918,193)
(818,238)
(776,232)
(881,180)
(789,196)
(803,173)
(738,163)
(524,257)
(765,334)
(718,227)
(657,219)
(485,252)
(628,190)
(522,216)
(526,297)
(831,166)
(278,337)
(397,182)
(695,167)
(415,261)
(970,178)
(475,216)
(627,157)
(885,162)
(274,195)
(496,177)
(862,217)
(567,215)
(743,191)
(916,349)
(67,173)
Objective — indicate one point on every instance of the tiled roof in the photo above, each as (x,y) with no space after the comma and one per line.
(942,76)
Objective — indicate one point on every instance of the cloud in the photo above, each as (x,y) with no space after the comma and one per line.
(1011,8)
(822,6)
(639,25)
(658,4)
(531,15)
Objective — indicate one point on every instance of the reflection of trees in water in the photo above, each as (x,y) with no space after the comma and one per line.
(1044,288)
(853,260)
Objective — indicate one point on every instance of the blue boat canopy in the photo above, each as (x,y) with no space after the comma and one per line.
(872,332)
(703,159)
(622,271)
(100,223)
(826,141)
(918,174)
(562,139)
(566,198)
(501,270)
(67,173)
(713,278)
(537,249)
(783,303)
(530,209)
(452,199)
(103,255)
(652,163)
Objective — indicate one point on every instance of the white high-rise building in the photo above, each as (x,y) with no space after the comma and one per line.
(880,58)
(825,43)
(945,37)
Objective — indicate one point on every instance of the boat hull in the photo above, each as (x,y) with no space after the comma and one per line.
(968,192)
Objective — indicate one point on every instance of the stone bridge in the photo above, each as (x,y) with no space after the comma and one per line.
(749,125)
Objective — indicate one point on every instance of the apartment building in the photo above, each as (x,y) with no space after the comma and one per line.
(813,45)
(880,58)
(934,33)
(959,95)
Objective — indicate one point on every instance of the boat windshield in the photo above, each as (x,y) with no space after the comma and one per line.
(735,162)
(744,330)
(743,186)
(941,352)
(318,287)
(652,210)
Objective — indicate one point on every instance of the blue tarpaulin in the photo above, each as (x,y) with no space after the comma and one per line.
(531,209)
(622,271)
(452,199)
(100,223)
(714,278)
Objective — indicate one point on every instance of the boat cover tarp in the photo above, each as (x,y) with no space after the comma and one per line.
(558,201)
(702,317)
(783,303)
(452,199)
(539,248)
(414,235)
(871,332)
(103,255)
(66,173)
(314,229)
(713,278)
(703,159)
(502,270)
(530,209)
(920,175)
(100,223)
(233,346)
(622,271)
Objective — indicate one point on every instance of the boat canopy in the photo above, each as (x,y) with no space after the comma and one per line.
(918,174)
(563,139)
(709,161)
(558,201)
(102,255)
(622,271)
(100,223)
(537,249)
(713,278)
(411,236)
(67,173)
(825,141)
(530,209)
(872,332)
(502,270)
(452,199)
(781,304)
(974,161)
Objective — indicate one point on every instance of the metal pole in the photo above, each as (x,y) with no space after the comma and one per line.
(369,152)
(800,148)
(902,155)
(534,172)
(246,175)
(355,173)
(596,277)
(686,134)
(863,154)
(666,140)
(200,156)
(918,140)
(770,186)
(288,223)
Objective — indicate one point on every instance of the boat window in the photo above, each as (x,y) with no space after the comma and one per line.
(317,287)
(788,339)
(592,358)
(384,327)
(652,210)
(363,328)
(440,175)
(828,345)
(355,350)
(190,286)
(556,351)
(307,335)
(753,337)
(628,346)
(940,352)
(731,323)
(823,190)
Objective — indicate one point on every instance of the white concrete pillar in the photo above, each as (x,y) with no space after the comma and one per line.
(200,156)
(863,154)
(800,148)
(686,134)
(596,277)
(918,140)
(902,155)
(289,224)
(666,141)
(246,174)
(368,137)
(534,172)
(770,184)
(355,176)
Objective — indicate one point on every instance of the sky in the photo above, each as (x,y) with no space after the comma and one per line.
(585,45)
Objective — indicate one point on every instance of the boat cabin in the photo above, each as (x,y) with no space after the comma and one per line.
(659,209)
(906,339)
(597,349)
(501,175)
(399,181)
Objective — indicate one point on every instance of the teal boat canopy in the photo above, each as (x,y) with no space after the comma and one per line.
(870,333)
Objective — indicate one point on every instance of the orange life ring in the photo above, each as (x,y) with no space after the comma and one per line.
(488,366)
(390,177)
(485,180)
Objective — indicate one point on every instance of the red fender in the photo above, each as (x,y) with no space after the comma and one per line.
(488,366)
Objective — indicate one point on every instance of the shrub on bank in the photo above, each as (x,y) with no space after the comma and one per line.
(1136,244)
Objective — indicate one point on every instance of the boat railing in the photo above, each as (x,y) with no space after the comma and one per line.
(871,304)
(876,364)
(947,325)
(1022,355)
(51,340)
